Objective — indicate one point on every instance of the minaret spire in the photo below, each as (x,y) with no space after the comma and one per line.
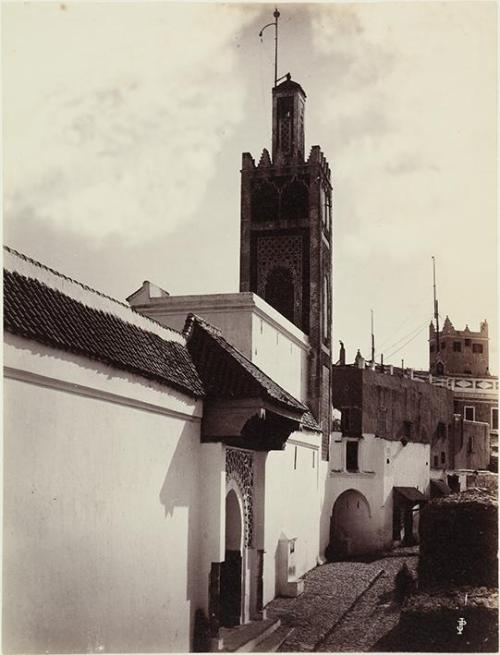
(436,311)
(276,15)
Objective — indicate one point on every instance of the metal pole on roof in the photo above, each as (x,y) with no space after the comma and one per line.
(436,312)
(276,15)
(373,338)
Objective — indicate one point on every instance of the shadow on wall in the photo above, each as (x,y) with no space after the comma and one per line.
(325,514)
(180,489)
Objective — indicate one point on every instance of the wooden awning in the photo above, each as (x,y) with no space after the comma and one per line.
(243,407)
(409,496)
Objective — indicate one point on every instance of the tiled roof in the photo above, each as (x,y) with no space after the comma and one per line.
(309,422)
(36,311)
(226,372)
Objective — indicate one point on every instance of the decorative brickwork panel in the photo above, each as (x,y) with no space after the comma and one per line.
(240,469)
(287,251)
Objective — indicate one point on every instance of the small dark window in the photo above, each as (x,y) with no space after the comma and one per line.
(439,368)
(443,457)
(469,446)
(494,418)
(456,407)
(469,413)
(457,346)
(436,461)
(467,343)
(467,370)
(477,348)
(351,452)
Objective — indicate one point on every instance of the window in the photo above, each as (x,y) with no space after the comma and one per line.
(477,348)
(351,456)
(467,370)
(457,346)
(443,457)
(467,343)
(494,418)
(470,446)
(295,201)
(469,413)
(350,422)
(436,461)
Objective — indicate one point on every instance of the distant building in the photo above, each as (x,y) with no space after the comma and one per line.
(380,460)
(460,360)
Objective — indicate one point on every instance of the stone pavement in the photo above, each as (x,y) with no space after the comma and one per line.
(346,606)
(376,611)
(330,590)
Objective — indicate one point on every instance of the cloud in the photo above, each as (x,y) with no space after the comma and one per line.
(118,139)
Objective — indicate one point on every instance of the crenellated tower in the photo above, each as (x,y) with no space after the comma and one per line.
(286,238)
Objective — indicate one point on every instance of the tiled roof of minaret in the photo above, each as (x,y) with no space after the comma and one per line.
(290,85)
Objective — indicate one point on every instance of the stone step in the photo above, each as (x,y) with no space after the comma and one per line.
(272,643)
(245,638)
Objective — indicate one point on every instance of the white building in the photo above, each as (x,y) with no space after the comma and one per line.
(148,473)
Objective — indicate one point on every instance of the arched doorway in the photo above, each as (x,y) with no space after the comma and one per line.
(350,526)
(231,570)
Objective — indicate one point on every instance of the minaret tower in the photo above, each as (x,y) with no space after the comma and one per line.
(286,238)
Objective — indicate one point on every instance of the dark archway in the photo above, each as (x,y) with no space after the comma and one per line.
(295,201)
(279,291)
(265,202)
(350,526)
(231,569)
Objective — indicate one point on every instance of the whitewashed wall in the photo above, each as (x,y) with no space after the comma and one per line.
(101,490)
(383,465)
(293,498)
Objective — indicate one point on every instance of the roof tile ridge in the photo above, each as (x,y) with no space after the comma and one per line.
(214,331)
(146,319)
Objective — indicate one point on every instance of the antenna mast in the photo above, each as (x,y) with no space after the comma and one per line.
(276,15)
(373,338)
(436,312)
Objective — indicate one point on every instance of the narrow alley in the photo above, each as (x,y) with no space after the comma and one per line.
(346,606)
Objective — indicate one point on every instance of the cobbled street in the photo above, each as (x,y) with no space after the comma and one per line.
(346,606)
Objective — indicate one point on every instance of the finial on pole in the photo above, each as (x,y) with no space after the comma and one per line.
(436,310)
(276,15)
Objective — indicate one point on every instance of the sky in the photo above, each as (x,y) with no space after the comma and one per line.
(124,124)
